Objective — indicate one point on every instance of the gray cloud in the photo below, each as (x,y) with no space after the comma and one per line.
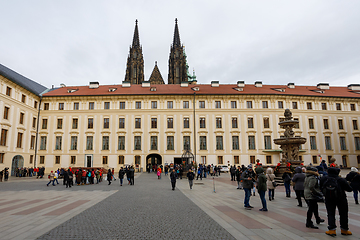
(74,42)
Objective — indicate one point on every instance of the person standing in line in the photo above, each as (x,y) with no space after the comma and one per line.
(287,181)
(51,177)
(69,182)
(354,178)
(190,175)
(312,194)
(109,176)
(248,177)
(270,176)
(121,175)
(173,177)
(298,180)
(261,186)
(334,188)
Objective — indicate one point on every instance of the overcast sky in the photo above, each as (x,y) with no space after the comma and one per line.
(75,42)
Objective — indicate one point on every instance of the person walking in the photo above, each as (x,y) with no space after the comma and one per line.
(287,181)
(51,178)
(261,186)
(312,195)
(270,176)
(109,176)
(199,172)
(190,175)
(248,177)
(173,177)
(298,180)
(354,178)
(121,175)
(334,188)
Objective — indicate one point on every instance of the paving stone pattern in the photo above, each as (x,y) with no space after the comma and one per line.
(147,210)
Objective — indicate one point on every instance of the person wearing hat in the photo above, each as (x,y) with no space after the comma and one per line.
(311,193)
(248,177)
(51,178)
(336,199)
(354,178)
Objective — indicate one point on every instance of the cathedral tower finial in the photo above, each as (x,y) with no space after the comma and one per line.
(176,41)
(136,40)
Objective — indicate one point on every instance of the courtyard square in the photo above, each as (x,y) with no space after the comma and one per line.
(213,209)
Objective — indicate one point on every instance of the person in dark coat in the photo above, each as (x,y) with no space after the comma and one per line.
(65,178)
(311,193)
(354,178)
(190,175)
(109,176)
(121,175)
(70,178)
(173,177)
(248,178)
(132,175)
(298,180)
(232,172)
(238,177)
(339,201)
(287,181)
(262,187)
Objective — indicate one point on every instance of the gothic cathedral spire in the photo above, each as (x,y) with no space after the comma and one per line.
(177,60)
(135,62)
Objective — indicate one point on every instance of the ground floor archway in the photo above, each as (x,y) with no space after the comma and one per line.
(17,162)
(154,159)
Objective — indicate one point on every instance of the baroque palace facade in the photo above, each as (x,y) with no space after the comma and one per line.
(139,122)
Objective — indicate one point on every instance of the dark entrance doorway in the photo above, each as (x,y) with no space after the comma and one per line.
(177,160)
(17,162)
(154,159)
(88,161)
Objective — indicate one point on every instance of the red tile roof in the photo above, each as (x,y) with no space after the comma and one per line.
(204,89)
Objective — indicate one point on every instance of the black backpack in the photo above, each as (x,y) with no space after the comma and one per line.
(331,188)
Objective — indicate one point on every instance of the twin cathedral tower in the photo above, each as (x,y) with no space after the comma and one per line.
(178,68)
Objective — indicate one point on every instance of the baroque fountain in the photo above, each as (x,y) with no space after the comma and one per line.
(289,144)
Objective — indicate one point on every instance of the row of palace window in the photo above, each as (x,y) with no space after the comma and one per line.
(23,96)
(170,142)
(340,124)
(170,122)
(233,104)
(186,123)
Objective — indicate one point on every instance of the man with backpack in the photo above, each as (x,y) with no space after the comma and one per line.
(334,188)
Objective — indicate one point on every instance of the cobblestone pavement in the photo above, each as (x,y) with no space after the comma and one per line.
(147,210)
(150,210)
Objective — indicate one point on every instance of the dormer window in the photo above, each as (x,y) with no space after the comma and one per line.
(239,89)
(153,89)
(72,90)
(195,89)
(112,89)
(279,89)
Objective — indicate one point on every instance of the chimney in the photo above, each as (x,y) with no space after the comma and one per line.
(214,83)
(323,86)
(94,85)
(291,85)
(353,87)
(184,84)
(241,83)
(258,84)
(126,84)
(145,84)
